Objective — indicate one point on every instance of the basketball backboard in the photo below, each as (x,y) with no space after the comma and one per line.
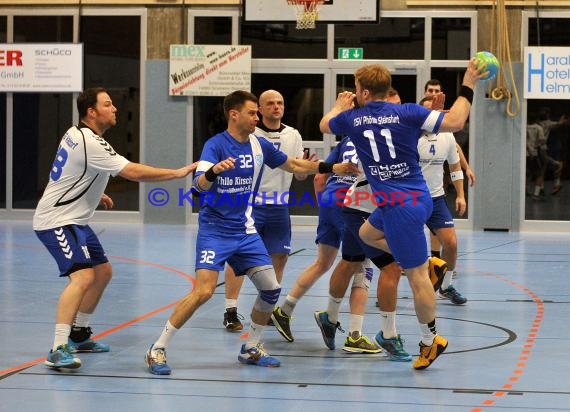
(362,11)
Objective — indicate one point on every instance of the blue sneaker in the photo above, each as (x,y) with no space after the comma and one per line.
(257,356)
(80,341)
(62,358)
(328,329)
(394,347)
(155,359)
(453,295)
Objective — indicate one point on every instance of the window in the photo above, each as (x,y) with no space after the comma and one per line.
(392,38)
(544,178)
(284,41)
(112,60)
(40,119)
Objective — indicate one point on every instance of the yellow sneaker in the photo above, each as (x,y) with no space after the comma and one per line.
(437,269)
(430,353)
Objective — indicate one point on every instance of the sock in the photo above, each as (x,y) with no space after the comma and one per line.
(388,324)
(167,334)
(255,331)
(355,325)
(436,253)
(81,320)
(557,181)
(289,305)
(61,335)
(231,303)
(429,332)
(334,308)
(536,190)
(447,280)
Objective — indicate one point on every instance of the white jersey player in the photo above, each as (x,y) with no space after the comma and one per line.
(78,177)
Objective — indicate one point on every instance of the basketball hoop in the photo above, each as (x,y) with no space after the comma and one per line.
(307,12)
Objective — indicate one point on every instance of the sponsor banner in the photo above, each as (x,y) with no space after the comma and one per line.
(45,67)
(209,70)
(547,72)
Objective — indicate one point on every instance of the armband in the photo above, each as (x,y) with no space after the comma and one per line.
(210,175)
(466,92)
(456,175)
(325,167)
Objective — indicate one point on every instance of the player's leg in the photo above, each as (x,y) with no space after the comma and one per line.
(68,245)
(329,233)
(232,287)
(448,240)
(80,336)
(441,223)
(405,233)
(212,252)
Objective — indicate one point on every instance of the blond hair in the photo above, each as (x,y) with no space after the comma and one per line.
(375,78)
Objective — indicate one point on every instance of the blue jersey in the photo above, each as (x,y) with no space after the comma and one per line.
(227,204)
(386,139)
(343,152)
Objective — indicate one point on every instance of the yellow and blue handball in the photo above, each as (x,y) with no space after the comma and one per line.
(489,61)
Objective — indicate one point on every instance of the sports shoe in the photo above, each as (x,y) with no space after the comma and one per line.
(453,295)
(232,321)
(257,356)
(360,345)
(155,359)
(62,358)
(80,341)
(430,353)
(394,347)
(328,329)
(437,269)
(283,323)
(556,189)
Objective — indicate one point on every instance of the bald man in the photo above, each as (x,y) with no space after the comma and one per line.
(271,212)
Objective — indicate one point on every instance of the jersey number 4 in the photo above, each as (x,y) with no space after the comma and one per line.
(58,163)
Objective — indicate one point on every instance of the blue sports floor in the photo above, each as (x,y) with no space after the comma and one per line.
(507,346)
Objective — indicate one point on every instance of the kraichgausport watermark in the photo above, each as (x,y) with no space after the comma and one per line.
(161,197)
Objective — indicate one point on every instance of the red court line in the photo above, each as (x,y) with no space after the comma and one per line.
(525,352)
(114,329)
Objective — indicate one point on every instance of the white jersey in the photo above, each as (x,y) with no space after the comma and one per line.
(78,177)
(276,182)
(359,195)
(434,150)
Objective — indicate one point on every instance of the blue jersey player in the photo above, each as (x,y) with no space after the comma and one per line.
(386,138)
(227,178)
(330,191)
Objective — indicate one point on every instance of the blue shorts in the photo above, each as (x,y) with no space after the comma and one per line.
(353,248)
(403,226)
(73,247)
(440,216)
(273,224)
(241,251)
(331,226)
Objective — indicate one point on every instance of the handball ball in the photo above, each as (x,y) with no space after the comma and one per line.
(488,59)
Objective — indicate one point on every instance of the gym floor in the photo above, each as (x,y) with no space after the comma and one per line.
(506,345)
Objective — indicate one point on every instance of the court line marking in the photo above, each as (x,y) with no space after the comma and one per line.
(527,347)
(15,369)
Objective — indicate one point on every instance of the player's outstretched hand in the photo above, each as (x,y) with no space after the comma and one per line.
(438,101)
(472,74)
(186,170)
(344,169)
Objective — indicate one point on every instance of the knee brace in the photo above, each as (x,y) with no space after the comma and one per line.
(263,277)
(363,278)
